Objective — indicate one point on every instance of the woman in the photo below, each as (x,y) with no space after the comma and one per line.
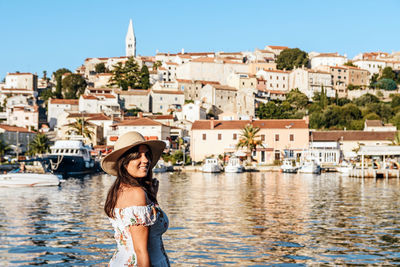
(131,203)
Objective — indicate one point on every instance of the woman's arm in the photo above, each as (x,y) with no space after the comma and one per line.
(140,236)
(135,196)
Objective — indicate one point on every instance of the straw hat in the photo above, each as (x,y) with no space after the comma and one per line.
(126,142)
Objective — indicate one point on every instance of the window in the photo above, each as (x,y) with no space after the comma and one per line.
(160,97)
(291,137)
(283,78)
(277,137)
(160,107)
(277,155)
(27,118)
(263,137)
(242,83)
(204,136)
(234,136)
(219,136)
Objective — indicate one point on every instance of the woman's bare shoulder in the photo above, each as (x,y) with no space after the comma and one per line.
(131,196)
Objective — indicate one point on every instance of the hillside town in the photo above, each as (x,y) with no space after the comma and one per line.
(201,103)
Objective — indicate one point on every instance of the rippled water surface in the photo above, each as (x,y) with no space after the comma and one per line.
(221,220)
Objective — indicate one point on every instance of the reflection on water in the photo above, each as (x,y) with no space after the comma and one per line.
(224,219)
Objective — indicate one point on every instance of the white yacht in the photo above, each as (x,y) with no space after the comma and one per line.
(234,165)
(71,157)
(344,168)
(289,166)
(310,166)
(211,165)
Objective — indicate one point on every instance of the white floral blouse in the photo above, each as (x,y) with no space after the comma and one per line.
(150,215)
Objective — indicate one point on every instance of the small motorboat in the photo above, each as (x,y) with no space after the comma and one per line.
(344,168)
(289,166)
(234,165)
(160,167)
(211,165)
(310,166)
(29,175)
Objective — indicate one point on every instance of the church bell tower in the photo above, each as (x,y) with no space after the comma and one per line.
(130,41)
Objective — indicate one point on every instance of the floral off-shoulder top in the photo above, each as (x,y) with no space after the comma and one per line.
(151,216)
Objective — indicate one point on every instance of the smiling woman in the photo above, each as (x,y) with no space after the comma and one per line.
(131,203)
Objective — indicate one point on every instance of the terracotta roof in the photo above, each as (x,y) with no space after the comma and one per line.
(351,136)
(239,124)
(171,63)
(168,92)
(277,71)
(161,117)
(277,92)
(106,95)
(133,92)
(207,82)
(20,73)
(278,47)
(138,122)
(374,123)
(204,59)
(83,114)
(183,81)
(64,101)
(89,97)
(329,55)
(10,128)
(230,53)
(99,117)
(224,87)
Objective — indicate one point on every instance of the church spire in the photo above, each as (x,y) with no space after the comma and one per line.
(130,41)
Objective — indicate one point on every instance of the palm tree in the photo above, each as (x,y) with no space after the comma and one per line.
(39,145)
(249,139)
(396,140)
(80,127)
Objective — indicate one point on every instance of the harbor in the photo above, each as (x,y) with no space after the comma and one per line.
(268,218)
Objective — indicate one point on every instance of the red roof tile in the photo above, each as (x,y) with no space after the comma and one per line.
(65,101)
(239,124)
(10,128)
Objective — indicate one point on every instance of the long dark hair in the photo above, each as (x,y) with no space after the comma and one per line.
(124,178)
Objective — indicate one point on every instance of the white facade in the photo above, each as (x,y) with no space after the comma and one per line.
(164,102)
(99,103)
(373,66)
(26,81)
(23,116)
(309,82)
(192,112)
(275,79)
(131,99)
(209,69)
(327,59)
(57,107)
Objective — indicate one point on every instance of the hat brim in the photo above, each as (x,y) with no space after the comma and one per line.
(109,162)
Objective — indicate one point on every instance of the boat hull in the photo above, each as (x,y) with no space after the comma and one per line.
(211,168)
(234,169)
(71,165)
(28,180)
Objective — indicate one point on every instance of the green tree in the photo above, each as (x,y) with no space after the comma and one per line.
(388,73)
(350,64)
(396,120)
(100,68)
(46,94)
(373,80)
(73,85)
(366,100)
(290,58)
(395,100)
(39,145)
(126,75)
(157,64)
(4,147)
(58,77)
(249,139)
(297,99)
(133,112)
(81,127)
(372,116)
(386,84)
(144,77)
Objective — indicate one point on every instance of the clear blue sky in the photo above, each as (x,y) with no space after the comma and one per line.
(51,34)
